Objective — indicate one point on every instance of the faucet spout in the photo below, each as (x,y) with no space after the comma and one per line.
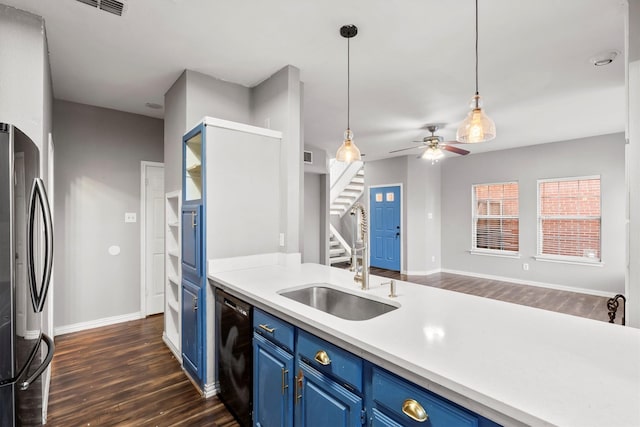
(362,270)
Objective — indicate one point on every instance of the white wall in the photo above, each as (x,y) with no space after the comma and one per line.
(632,288)
(97,157)
(25,84)
(601,155)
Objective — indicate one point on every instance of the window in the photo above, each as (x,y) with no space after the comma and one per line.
(569,219)
(495,218)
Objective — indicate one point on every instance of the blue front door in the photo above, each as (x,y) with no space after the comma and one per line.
(384,205)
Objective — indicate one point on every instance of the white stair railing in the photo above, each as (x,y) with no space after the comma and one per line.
(340,239)
(346,175)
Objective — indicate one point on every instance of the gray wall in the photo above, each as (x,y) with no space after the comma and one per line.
(380,173)
(423,216)
(97,156)
(312,214)
(193,96)
(276,103)
(601,155)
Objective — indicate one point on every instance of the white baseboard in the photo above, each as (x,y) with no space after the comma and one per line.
(421,273)
(82,326)
(173,349)
(532,283)
(210,389)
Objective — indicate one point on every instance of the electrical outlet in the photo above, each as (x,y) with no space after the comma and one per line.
(433,258)
(282,239)
(525,266)
(130,217)
(429,215)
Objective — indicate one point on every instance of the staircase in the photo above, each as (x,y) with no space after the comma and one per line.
(348,195)
(339,250)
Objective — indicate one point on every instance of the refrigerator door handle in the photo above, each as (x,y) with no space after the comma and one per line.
(45,363)
(39,197)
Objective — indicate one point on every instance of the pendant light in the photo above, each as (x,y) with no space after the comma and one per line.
(348,152)
(477,126)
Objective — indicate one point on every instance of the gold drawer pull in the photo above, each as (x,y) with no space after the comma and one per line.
(322,358)
(284,380)
(266,328)
(414,410)
(298,392)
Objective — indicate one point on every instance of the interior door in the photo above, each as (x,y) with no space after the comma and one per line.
(154,239)
(384,206)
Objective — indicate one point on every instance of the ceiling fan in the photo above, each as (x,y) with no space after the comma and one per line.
(434,145)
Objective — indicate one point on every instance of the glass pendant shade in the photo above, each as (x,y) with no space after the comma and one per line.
(477,126)
(432,154)
(348,152)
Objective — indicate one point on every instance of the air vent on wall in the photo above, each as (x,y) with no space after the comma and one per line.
(307,157)
(112,6)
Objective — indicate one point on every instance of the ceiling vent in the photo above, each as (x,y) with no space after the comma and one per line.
(112,6)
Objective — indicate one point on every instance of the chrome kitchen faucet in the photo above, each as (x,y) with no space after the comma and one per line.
(362,271)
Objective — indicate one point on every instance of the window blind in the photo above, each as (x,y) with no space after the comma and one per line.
(495,217)
(569,218)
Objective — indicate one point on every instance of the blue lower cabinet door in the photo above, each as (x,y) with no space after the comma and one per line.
(378,419)
(190,329)
(323,402)
(273,384)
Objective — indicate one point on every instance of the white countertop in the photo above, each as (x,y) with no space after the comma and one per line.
(534,366)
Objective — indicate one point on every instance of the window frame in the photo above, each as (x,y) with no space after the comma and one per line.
(475,250)
(566,259)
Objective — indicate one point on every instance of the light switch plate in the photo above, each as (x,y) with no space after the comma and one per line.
(282,239)
(130,217)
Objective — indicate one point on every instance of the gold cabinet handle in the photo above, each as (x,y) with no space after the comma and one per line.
(414,410)
(299,386)
(322,358)
(284,380)
(268,329)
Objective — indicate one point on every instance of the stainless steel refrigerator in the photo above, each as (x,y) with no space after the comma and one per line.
(26,260)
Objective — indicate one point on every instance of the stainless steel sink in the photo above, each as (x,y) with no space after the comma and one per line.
(341,304)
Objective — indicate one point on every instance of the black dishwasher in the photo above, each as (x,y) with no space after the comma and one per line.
(234,353)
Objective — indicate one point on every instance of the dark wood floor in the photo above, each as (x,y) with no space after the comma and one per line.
(577,304)
(124,375)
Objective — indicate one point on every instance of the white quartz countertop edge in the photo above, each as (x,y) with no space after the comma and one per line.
(510,363)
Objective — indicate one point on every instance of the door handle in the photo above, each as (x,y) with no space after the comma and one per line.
(39,197)
(50,349)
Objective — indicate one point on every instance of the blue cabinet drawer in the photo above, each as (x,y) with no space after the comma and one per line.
(401,401)
(329,359)
(274,329)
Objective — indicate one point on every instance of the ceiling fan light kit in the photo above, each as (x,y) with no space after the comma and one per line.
(477,126)
(348,151)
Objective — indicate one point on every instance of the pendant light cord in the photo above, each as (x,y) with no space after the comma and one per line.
(348,84)
(477,93)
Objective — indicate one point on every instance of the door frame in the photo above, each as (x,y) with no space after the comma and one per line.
(143,232)
(402,230)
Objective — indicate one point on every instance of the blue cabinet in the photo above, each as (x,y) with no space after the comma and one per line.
(321,401)
(191,355)
(333,387)
(193,254)
(273,384)
(192,242)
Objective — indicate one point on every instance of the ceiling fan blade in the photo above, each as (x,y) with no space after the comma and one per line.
(450,142)
(455,150)
(404,149)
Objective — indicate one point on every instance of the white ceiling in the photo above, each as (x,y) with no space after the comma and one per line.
(412,62)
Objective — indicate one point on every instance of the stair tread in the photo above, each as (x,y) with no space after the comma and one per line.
(339,259)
